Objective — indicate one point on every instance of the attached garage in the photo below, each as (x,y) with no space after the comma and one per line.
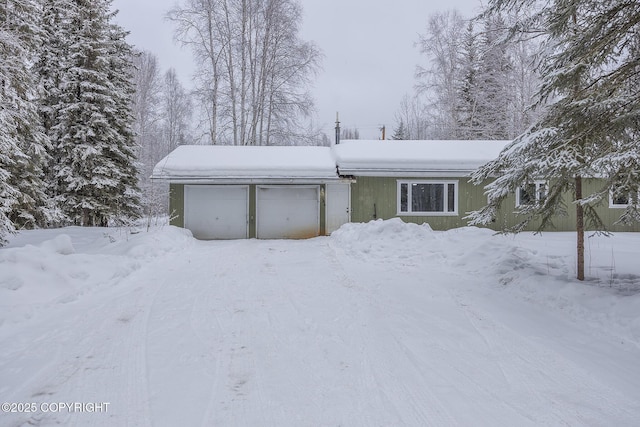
(288,212)
(217,211)
(236,192)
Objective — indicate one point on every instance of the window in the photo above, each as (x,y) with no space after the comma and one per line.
(531,193)
(428,197)
(618,200)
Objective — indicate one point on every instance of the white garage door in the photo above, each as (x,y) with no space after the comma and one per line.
(216,212)
(288,212)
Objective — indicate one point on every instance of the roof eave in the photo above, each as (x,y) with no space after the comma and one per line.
(177,179)
(418,173)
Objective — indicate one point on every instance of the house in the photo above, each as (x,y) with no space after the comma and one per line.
(228,192)
(418,181)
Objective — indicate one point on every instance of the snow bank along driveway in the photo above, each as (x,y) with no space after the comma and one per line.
(382,324)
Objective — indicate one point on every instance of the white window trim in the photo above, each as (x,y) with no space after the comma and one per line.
(409,201)
(537,183)
(613,205)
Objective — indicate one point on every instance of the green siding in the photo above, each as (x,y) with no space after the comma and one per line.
(176,205)
(252,212)
(376,198)
(608,215)
(323,210)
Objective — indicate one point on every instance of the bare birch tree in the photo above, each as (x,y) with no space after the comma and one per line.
(439,80)
(253,68)
(147,127)
(176,111)
(411,114)
(148,90)
(162,110)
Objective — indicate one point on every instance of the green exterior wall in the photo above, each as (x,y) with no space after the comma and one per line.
(253,233)
(176,205)
(376,198)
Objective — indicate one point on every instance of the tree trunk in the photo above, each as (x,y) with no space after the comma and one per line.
(214,69)
(579,208)
(580,229)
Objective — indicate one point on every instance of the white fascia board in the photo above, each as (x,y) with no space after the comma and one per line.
(407,173)
(252,180)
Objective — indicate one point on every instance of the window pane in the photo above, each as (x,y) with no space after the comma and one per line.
(427,197)
(542,191)
(451,199)
(620,200)
(527,194)
(404,196)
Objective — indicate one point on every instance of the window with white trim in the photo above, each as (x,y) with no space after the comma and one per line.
(531,193)
(619,200)
(427,197)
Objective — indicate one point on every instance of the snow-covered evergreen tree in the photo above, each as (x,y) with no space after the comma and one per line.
(50,68)
(400,133)
(468,97)
(126,195)
(23,148)
(11,68)
(96,169)
(8,194)
(494,88)
(477,82)
(590,128)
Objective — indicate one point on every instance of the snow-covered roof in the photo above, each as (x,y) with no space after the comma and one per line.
(204,163)
(414,158)
(217,162)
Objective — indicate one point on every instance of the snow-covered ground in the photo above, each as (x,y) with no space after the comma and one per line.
(381,324)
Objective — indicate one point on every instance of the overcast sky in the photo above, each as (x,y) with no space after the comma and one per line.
(368,47)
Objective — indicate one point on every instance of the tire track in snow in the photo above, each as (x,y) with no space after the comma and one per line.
(182,360)
(417,405)
(103,345)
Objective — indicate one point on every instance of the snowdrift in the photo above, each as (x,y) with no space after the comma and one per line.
(538,268)
(53,271)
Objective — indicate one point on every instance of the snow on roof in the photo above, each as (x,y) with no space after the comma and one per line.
(371,158)
(201,162)
(352,157)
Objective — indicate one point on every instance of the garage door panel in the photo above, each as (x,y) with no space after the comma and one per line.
(287,212)
(216,212)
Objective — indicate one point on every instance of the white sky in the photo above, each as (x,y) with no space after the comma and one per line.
(368,45)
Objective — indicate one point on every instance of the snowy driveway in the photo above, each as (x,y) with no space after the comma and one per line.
(369,328)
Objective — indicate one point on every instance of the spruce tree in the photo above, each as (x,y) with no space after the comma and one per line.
(470,126)
(493,79)
(400,133)
(590,127)
(11,68)
(8,194)
(50,69)
(23,149)
(96,168)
